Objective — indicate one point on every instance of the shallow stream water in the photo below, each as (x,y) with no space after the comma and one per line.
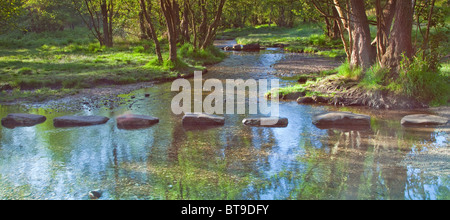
(168,161)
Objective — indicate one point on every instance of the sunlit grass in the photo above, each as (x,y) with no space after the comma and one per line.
(305,38)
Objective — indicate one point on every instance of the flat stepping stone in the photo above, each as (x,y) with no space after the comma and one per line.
(22,120)
(130,121)
(79,121)
(341,120)
(200,119)
(423,120)
(266,122)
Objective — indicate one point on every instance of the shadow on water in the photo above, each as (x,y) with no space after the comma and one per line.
(169,161)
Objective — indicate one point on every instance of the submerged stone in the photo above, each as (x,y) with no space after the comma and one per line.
(266,122)
(423,120)
(22,120)
(131,121)
(341,120)
(79,121)
(201,119)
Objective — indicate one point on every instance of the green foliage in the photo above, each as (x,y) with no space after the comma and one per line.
(304,38)
(178,64)
(95,48)
(9,11)
(418,79)
(207,56)
(48,15)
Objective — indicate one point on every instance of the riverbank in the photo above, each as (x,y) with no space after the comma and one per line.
(46,66)
(304,38)
(328,85)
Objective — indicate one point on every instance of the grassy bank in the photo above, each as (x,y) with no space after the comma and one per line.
(304,38)
(415,82)
(53,64)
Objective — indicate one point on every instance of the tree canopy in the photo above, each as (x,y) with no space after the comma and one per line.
(378,31)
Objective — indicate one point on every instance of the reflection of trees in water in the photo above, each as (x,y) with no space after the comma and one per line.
(360,165)
(214,163)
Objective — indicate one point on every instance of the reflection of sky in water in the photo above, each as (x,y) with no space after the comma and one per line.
(42,162)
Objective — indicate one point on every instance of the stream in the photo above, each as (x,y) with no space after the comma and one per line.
(232,162)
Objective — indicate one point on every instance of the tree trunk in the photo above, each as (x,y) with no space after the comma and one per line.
(363,54)
(427,33)
(184,26)
(142,26)
(106,24)
(152,31)
(385,16)
(400,39)
(170,11)
(213,27)
(110,16)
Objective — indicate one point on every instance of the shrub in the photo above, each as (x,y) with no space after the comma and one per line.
(206,56)
(95,48)
(139,49)
(420,81)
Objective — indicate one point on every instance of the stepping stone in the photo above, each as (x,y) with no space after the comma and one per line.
(191,119)
(423,120)
(237,47)
(266,122)
(251,47)
(130,121)
(342,120)
(22,120)
(79,121)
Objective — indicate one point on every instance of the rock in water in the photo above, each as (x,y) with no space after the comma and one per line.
(95,194)
(423,120)
(79,121)
(251,47)
(131,121)
(342,120)
(266,122)
(191,119)
(22,120)
(237,47)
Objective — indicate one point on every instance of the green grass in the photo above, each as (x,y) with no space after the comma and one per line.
(74,60)
(290,89)
(350,73)
(305,38)
(416,80)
